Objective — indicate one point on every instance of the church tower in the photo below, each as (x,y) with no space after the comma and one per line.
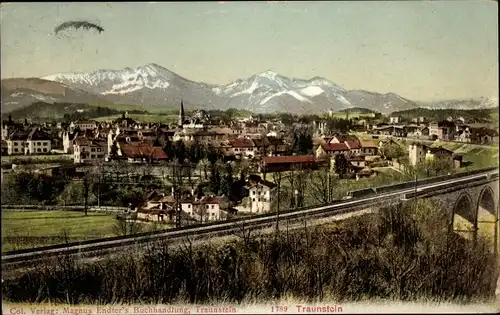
(181,115)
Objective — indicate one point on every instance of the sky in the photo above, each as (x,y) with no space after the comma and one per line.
(420,50)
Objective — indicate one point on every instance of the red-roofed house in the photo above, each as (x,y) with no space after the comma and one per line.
(354,146)
(331,149)
(244,147)
(270,164)
(140,152)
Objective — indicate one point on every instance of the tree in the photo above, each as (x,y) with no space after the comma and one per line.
(391,151)
(177,181)
(322,186)
(195,152)
(180,151)
(215,180)
(277,177)
(227,181)
(305,143)
(168,148)
(439,164)
(205,163)
(342,165)
(338,125)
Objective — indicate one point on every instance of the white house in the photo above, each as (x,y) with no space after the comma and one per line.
(17,142)
(395,119)
(89,150)
(208,208)
(38,142)
(244,147)
(84,125)
(417,153)
(261,195)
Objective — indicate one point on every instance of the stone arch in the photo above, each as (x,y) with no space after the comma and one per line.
(487,216)
(463,217)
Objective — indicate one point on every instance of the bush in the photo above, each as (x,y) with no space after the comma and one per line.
(402,253)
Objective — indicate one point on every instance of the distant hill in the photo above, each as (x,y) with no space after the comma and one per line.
(22,92)
(484,115)
(41,111)
(356,110)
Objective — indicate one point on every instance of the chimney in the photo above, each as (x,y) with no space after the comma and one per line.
(192,192)
(172,191)
(163,194)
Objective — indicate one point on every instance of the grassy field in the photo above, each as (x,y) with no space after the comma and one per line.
(143,118)
(148,108)
(50,158)
(25,229)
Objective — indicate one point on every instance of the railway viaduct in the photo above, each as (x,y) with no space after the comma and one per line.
(473,207)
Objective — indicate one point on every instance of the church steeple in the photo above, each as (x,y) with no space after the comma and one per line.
(181,115)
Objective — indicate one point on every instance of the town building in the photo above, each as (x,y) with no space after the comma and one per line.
(331,149)
(83,125)
(394,119)
(244,148)
(483,135)
(443,130)
(368,147)
(89,150)
(262,194)
(140,152)
(34,141)
(270,164)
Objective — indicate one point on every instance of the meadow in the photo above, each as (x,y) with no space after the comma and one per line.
(26,229)
(145,118)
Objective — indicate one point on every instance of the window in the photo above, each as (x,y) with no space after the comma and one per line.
(38,143)
(212,206)
(45,144)
(38,150)
(92,156)
(44,149)
(259,200)
(15,143)
(207,206)
(16,150)
(93,149)
(236,150)
(189,206)
(253,199)
(253,192)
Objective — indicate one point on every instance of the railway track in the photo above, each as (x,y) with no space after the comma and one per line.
(366,198)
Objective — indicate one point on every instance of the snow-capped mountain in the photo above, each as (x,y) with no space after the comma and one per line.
(269,91)
(146,85)
(265,92)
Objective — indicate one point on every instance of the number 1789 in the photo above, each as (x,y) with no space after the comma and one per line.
(279,309)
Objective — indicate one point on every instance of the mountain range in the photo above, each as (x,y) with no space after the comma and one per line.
(155,86)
